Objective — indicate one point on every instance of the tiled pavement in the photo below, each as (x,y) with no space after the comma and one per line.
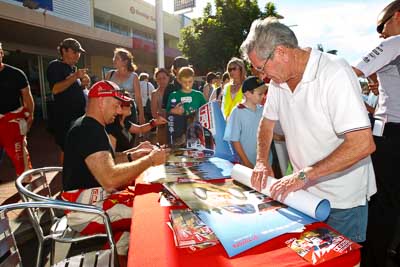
(43,152)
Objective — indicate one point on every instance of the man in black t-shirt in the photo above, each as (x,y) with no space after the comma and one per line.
(93,173)
(67,84)
(16,114)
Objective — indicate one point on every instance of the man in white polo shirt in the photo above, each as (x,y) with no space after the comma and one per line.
(316,97)
(383,246)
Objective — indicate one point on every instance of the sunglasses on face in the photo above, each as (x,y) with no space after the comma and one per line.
(382,25)
(126,104)
(232,68)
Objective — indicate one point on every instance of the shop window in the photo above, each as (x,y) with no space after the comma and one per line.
(101,23)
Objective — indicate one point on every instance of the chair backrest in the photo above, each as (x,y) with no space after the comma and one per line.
(8,247)
(9,254)
(34,185)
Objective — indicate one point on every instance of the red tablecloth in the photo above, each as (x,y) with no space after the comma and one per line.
(152,243)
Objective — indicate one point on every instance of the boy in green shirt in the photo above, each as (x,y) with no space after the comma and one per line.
(185,101)
(181,108)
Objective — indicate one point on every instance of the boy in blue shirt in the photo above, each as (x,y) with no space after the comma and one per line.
(242,126)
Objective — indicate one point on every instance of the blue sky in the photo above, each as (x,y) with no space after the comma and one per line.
(346,25)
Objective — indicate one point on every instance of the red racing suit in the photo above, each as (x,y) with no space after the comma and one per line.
(117,205)
(13,130)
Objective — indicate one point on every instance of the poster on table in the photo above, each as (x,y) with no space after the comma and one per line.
(240,216)
(197,169)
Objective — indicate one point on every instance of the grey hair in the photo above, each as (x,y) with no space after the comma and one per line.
(264,36)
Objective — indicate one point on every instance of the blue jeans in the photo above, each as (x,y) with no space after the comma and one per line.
(350,222)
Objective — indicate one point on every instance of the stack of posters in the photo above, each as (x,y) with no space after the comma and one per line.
(241,217)
(180,165)
(321,244)
(190,231)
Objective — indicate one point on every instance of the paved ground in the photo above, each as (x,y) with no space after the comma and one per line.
(43,153)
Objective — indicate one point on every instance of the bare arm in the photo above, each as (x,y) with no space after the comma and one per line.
(138,99)
(206,91)
(154,103)
(242,155)
(28,103)
(262,169)
(264,139)
(144,128)
(358,72)
(140,129)
(113,176)
(356,146)
(108,76)
(63,85)
(113,141)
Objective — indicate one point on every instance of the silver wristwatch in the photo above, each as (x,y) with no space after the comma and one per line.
(302,175)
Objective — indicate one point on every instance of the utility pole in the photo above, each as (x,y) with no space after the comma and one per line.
(160,34)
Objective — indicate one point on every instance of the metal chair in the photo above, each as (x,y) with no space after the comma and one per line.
(10,256)
(33,185)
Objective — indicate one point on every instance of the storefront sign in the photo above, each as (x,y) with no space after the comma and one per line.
(136,11)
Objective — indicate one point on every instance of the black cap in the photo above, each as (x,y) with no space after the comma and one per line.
(386,14)
(252,83)
(73,44)
(180,62)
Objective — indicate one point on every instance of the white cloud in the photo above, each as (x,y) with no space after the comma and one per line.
(348,27)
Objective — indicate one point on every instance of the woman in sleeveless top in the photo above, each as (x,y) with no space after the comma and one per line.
(162,76)
(233,90)
(126,78)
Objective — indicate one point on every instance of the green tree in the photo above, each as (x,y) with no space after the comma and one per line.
(270,11)
(211,40)
(320,47)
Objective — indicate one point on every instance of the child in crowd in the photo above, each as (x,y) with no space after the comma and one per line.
(241,128)
(186,100)
(181,107)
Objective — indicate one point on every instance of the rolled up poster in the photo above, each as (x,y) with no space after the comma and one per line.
(300,200)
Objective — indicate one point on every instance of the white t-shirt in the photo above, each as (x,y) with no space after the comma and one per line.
(325,105)
(384,60)
(143,91)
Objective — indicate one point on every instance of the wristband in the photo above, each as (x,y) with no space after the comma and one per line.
(152,123)
(129,156)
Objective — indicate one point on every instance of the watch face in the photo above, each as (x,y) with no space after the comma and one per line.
(302,175)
